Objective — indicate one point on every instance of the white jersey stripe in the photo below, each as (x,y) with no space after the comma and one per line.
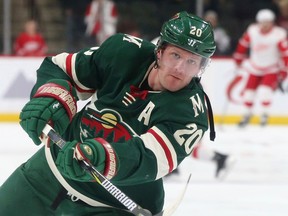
(151,142)
(74,75)
(66,62)
(82,91)
(60,60)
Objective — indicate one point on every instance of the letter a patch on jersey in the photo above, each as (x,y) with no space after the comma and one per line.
(146,113)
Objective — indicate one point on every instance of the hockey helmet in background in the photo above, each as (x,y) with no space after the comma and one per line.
(265,15)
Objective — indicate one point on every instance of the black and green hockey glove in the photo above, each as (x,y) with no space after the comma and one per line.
(53,103)
(94,151)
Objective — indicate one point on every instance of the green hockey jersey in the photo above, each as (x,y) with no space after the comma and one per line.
(150,131)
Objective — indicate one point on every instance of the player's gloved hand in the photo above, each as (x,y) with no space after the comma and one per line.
(69,156)
(237,60)
(282,75)
(54,102)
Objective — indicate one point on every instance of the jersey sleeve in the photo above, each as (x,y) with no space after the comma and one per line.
(242,47)
(92,68)
(283,49)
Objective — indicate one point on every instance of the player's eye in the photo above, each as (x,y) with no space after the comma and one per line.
(191,61)
(175,55)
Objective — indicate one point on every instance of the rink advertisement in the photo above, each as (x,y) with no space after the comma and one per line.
(221,81)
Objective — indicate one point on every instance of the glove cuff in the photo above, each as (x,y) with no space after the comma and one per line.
(61,94)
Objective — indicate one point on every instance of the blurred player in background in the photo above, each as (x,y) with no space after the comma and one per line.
(101,20)
(267,63)
(30,42)
(223,162)
(222,38)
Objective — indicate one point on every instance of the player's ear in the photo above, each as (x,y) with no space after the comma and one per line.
(159,53)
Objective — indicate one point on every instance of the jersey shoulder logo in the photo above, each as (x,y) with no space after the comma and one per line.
(132,39)
(197,104)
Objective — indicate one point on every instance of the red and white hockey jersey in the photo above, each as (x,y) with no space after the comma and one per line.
(268,51)
(101,19)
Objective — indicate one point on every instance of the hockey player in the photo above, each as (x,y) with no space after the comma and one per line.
(101,20)
(267,63)
(30,42)
(147,111)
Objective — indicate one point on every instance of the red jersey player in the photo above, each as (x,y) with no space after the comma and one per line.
(30,42)
(268,60)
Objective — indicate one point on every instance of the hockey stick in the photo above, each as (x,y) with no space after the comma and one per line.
(111,188)
(102,180)
(171,209)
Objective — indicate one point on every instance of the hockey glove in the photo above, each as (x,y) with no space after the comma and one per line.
(282,75)
(96,151)
(54,102)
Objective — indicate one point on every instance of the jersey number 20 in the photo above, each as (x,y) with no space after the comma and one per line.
(188,137)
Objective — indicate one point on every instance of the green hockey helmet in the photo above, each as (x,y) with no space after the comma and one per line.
(189,32)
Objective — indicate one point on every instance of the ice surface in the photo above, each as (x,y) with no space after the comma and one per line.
(256,186)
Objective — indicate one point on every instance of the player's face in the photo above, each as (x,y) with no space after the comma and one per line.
(266,26)
(177,67)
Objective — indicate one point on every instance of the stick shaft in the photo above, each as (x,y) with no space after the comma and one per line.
(102,180)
